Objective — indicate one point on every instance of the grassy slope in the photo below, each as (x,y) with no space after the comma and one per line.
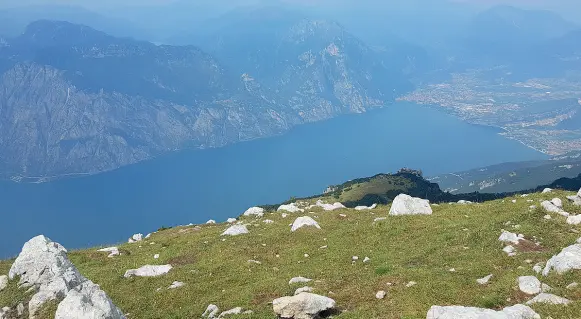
(402,249)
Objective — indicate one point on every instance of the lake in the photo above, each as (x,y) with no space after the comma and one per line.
(196,185)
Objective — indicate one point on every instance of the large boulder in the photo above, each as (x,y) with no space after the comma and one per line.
(302,306)
(148,271)
(291,208)
(576,199)
(44,267)
(254,211)
(569,258)
(330,207)
(87,301)
(304,221)
(460,312)
(552,208)
(406,205)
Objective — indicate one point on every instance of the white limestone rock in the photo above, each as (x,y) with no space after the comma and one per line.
(576,199)
(508,237)
(547,190)
(572,285)
(43,265)
(298,280)
(530,285)
(268,221)
(235,230)
(548,298)
(113,251)
(460,312)
(406,205)
(303,289)
(148,271)
(538,268)
(210,222)
(380,294)
(176,284)
(484,280)
(464,202)
(231,220)
(366,207)
(378,219)
(302,306)
(233,311)
(87,301)
(4,312)
(135,238)
(574,219)
(330,207)
(254,211)
(3,282)
(551,208)
(557,202)
(304,221)
(569,258)
(509,250)
(366,260)
(291,208)
(211,312)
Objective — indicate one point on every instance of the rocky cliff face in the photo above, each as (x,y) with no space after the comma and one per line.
(77,101)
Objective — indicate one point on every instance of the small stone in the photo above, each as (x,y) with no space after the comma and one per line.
(380,294)
(252,261)
(303,289)
(304,221)
(235,230)
(211,221)
(355,258)
(268,221)
(234,311)
(509,250)
(452,270)
(378,219)
(548,299)
(572,285)
(411,284)
(366,260)
(547,217)
(297,280)
(176,284)
(538,268)
(530,285)
(484,280)
(156,256)
(547,190)
(148,271)
(306,255)
(323,247)
(3,282)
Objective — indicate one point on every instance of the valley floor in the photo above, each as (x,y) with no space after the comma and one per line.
(423,249)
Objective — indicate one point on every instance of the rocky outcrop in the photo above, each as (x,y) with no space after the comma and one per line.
(254,211)
(552,208)
(302,306)
(406,205)
(460,312)
(43,266)
(291,208)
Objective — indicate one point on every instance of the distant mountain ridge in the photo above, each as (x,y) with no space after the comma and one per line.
(74,100)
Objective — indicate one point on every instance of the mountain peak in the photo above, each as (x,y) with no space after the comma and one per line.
(50,33)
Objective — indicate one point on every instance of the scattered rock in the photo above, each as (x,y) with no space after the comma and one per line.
(514,200)
(304,221)
(464,202)
(355,258)
(378,219)
(411,284)
(87,301)
(538,268)
(509,250)
(303,289)
(574,220)
(234,311)
(557,202)
(283,215)
(135,238)
(231,220)
(235,230)
(484,280)
(380,294)
(460,312)
(3,282)
(211,312)
(156,256)
(211,221)
(366,260)
(508,237)
(572,285)
(330,207)
(176,284)
(148,271)
(302,306)
(530,285)
(406,205)
(4,313)
(298,280)
(366,207)
(254,211)
(547,217)
(547,190)
(569,258)
(291,208)
(252,261)
(113,251)
(268,221)
(551,208)
(548,298)
(20,309)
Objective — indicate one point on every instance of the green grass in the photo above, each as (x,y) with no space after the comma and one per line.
(378,186)
(402,249)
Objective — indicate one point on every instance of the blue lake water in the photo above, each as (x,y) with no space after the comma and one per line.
(196,185)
